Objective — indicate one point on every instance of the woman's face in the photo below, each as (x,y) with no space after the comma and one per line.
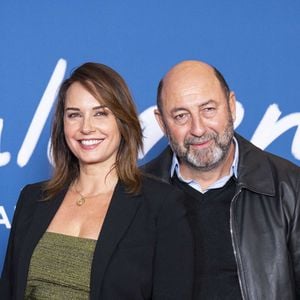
(90,128)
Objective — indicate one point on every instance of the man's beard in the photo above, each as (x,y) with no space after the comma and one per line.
(209,157)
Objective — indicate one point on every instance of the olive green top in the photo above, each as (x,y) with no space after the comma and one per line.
(60,268)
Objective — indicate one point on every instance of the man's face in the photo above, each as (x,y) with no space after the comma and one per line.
(197,118)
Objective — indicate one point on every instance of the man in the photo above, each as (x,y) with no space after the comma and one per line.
(243,203)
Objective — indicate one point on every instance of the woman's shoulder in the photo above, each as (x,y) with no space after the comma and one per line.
(31,192)
(35,187)
(27,202)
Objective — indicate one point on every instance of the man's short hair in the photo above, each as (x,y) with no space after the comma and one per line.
(217,73)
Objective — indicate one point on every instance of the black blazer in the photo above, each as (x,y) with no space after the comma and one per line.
(144,251)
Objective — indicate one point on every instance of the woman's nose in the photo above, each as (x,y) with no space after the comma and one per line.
(87,125)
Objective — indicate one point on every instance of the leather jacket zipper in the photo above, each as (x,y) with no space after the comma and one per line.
(233,241)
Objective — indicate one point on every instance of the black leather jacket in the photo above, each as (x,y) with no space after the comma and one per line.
(265,221)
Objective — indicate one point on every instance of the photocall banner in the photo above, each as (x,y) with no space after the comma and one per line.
(255,44)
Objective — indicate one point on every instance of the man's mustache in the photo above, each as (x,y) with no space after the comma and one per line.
(199,140)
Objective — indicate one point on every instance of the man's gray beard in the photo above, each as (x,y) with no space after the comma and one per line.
(208,158)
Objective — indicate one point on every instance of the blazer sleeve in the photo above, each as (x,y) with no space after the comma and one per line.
(7,271)
(173,267)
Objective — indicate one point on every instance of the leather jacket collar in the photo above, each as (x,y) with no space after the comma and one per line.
(255,176)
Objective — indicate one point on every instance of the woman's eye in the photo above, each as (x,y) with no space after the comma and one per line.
(73,115)
(101,113)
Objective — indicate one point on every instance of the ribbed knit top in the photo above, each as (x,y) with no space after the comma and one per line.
(60,268)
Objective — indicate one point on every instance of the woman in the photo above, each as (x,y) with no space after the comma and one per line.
(98,229)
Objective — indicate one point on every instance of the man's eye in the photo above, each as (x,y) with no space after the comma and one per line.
(208,109)
(181,118)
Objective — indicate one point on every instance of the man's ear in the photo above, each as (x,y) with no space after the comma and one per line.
(159,119)
(232,105)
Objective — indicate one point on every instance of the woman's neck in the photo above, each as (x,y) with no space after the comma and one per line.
(93,179)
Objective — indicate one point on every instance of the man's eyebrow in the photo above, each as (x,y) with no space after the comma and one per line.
(210,101)
(176,109)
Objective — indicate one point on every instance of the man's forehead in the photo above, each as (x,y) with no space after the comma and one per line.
(191,89)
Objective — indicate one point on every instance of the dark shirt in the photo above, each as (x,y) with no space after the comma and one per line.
(215,266)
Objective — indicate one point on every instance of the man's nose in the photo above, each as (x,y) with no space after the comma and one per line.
(197,126)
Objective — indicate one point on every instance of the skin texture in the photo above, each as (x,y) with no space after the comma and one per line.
(90,128)
(197,117)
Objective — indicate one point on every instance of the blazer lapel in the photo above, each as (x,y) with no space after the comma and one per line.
(41,219)
(120,214)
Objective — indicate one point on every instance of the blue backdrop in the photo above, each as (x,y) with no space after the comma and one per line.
(255,44)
